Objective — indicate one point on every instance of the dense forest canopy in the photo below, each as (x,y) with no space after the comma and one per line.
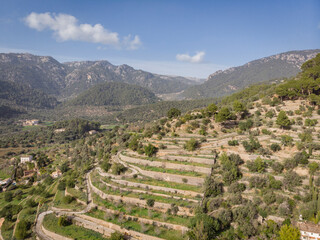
(115,94)
(23,95)
(305,85)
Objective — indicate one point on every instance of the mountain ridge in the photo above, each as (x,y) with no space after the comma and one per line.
(223,82)
(65,80)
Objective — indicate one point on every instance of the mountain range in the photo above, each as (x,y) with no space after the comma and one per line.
(66,80)
(36,82)
(279,66)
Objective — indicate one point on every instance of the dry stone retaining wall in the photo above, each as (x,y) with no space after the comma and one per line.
(157,205)
(153,187)
(169,165)
(108,228)
(54,235)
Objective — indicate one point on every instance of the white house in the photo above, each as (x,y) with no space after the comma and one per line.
(24,159)
(4,182)
(309,231)
(92,132)
(32,122)
(56,174)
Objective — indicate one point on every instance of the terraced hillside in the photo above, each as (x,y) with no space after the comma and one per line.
(158,196)
(250,171)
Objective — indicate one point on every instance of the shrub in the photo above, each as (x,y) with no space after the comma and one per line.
(31,203)
(282,120)
(313,167)
(68,199)
(150,150)
(252,145)
(290,163)
(270,114)
(236,187)
(173,113)
(258,165)
(206,121)
(105,165)
(310,122)
(289,232)
(286,140)
(273,183)
(118,168)
(203,131)
(8,196)
(266,132)
(245,125)
(194,125)
(22,229)
(64,221)
(212,188)
(150,202)
(62,186)
(117,236)
(275,147)
(233,143)
(191,145)
(269,198)
(306,136)
(257,182)
(301,158)
(223,115)
(277,167)
(291,179)
(235,159)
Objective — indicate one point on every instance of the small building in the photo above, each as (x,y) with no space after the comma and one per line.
(5,181)
(25,159)
(309,230)
(92,132)
(56,174)
(32,122)
(59,130)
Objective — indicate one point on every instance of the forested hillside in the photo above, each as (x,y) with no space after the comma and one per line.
(23,95)
(114,94)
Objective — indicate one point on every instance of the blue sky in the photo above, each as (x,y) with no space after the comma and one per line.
(188,38)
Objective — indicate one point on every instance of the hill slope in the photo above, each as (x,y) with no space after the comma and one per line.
(44,73)
(221,83)
(23,95)
(82,75)
(69,79)
(114,94)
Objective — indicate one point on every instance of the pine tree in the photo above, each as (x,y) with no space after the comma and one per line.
(283,120)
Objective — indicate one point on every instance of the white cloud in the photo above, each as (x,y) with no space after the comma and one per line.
(197,58)
(132,44)
(66,27)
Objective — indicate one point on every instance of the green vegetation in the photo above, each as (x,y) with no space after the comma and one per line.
(173,113)
(150,150)
(114,94)
(191,145)
(22,95)
(277,177)
(261,70)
